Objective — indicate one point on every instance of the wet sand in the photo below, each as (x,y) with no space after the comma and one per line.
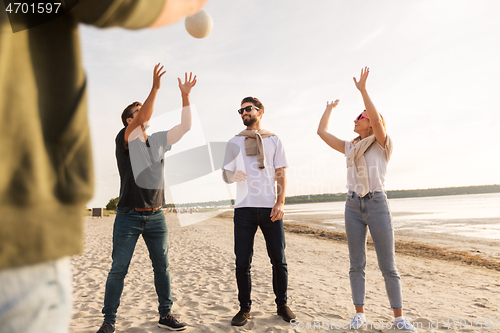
(438,239)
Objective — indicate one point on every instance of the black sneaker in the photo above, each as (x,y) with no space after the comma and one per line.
(107,328)
(286,313)
(241,318)
(170,323)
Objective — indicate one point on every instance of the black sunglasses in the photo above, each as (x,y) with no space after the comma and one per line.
(133,113)
(247,109)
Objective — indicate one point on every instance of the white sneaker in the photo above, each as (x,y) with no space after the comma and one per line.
(404,325)
(357,320)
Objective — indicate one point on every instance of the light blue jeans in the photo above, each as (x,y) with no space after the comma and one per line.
(36,298)
(372,212)
(129,225)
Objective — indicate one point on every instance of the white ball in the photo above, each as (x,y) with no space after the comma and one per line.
(199,25)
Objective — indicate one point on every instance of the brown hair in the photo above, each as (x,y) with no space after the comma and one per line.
(254,100)
(356,140)
(127,113)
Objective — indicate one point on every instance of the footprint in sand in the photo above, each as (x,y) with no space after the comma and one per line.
(220,309)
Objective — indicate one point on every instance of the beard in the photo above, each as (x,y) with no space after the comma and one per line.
(249,121)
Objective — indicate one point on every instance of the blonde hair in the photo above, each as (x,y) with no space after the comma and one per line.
(357,139)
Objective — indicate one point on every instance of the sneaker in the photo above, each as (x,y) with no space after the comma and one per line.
(404,325)
(357,320)
(170,323)
(241,318)
(107,328)
(286,313)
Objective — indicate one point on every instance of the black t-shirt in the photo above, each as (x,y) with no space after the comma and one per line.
(141,170)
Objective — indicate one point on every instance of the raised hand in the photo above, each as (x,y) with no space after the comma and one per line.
(188,84)
(330,106)
(157,74)
(361,85)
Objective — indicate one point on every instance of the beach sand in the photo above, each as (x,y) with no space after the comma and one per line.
(435,291)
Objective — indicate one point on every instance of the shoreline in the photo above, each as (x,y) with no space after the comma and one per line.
(486,254)
(409,248)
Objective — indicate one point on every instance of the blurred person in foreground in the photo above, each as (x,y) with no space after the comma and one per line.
(46,175)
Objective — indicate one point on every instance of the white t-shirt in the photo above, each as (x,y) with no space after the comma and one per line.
(259,190)
(376,162)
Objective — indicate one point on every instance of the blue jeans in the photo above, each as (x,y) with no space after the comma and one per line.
(36,298)
(246,222)
(129,224)
(373,212)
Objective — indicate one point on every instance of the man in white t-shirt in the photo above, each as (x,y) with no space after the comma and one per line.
(255,159)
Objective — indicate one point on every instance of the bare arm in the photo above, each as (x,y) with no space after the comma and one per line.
(279,207)
(174,10)
(375,120)
(233,176)
(330,139)
(178,131)
(145,112)
(230,174)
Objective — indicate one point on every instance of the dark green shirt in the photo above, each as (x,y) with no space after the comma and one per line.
(45,154)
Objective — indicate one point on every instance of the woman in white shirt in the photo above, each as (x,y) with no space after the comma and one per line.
(366,205)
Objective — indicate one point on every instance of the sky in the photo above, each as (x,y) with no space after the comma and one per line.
(433,76)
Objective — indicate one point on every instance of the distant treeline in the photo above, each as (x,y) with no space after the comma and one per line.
(430,192)
(434,192)
(219,203)
(329,197)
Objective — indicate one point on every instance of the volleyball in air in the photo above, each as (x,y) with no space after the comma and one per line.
(199,25)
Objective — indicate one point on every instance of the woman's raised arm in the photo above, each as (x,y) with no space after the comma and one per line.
(375,119)
(330,139)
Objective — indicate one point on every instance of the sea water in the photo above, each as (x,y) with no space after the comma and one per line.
(470,215)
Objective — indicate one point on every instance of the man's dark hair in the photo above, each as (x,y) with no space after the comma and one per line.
(127,113)
(254,100)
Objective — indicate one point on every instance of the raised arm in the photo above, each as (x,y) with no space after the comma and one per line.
(330,139)
(146,110)
(375,120)
(178,131)
(174,10)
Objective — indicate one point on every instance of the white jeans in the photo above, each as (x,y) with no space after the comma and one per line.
(36,298)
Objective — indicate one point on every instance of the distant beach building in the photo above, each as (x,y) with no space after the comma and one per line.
(97,212)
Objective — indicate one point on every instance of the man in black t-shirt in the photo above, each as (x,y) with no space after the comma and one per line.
(140,164)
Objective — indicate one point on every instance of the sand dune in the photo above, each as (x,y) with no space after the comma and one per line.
(205,295)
